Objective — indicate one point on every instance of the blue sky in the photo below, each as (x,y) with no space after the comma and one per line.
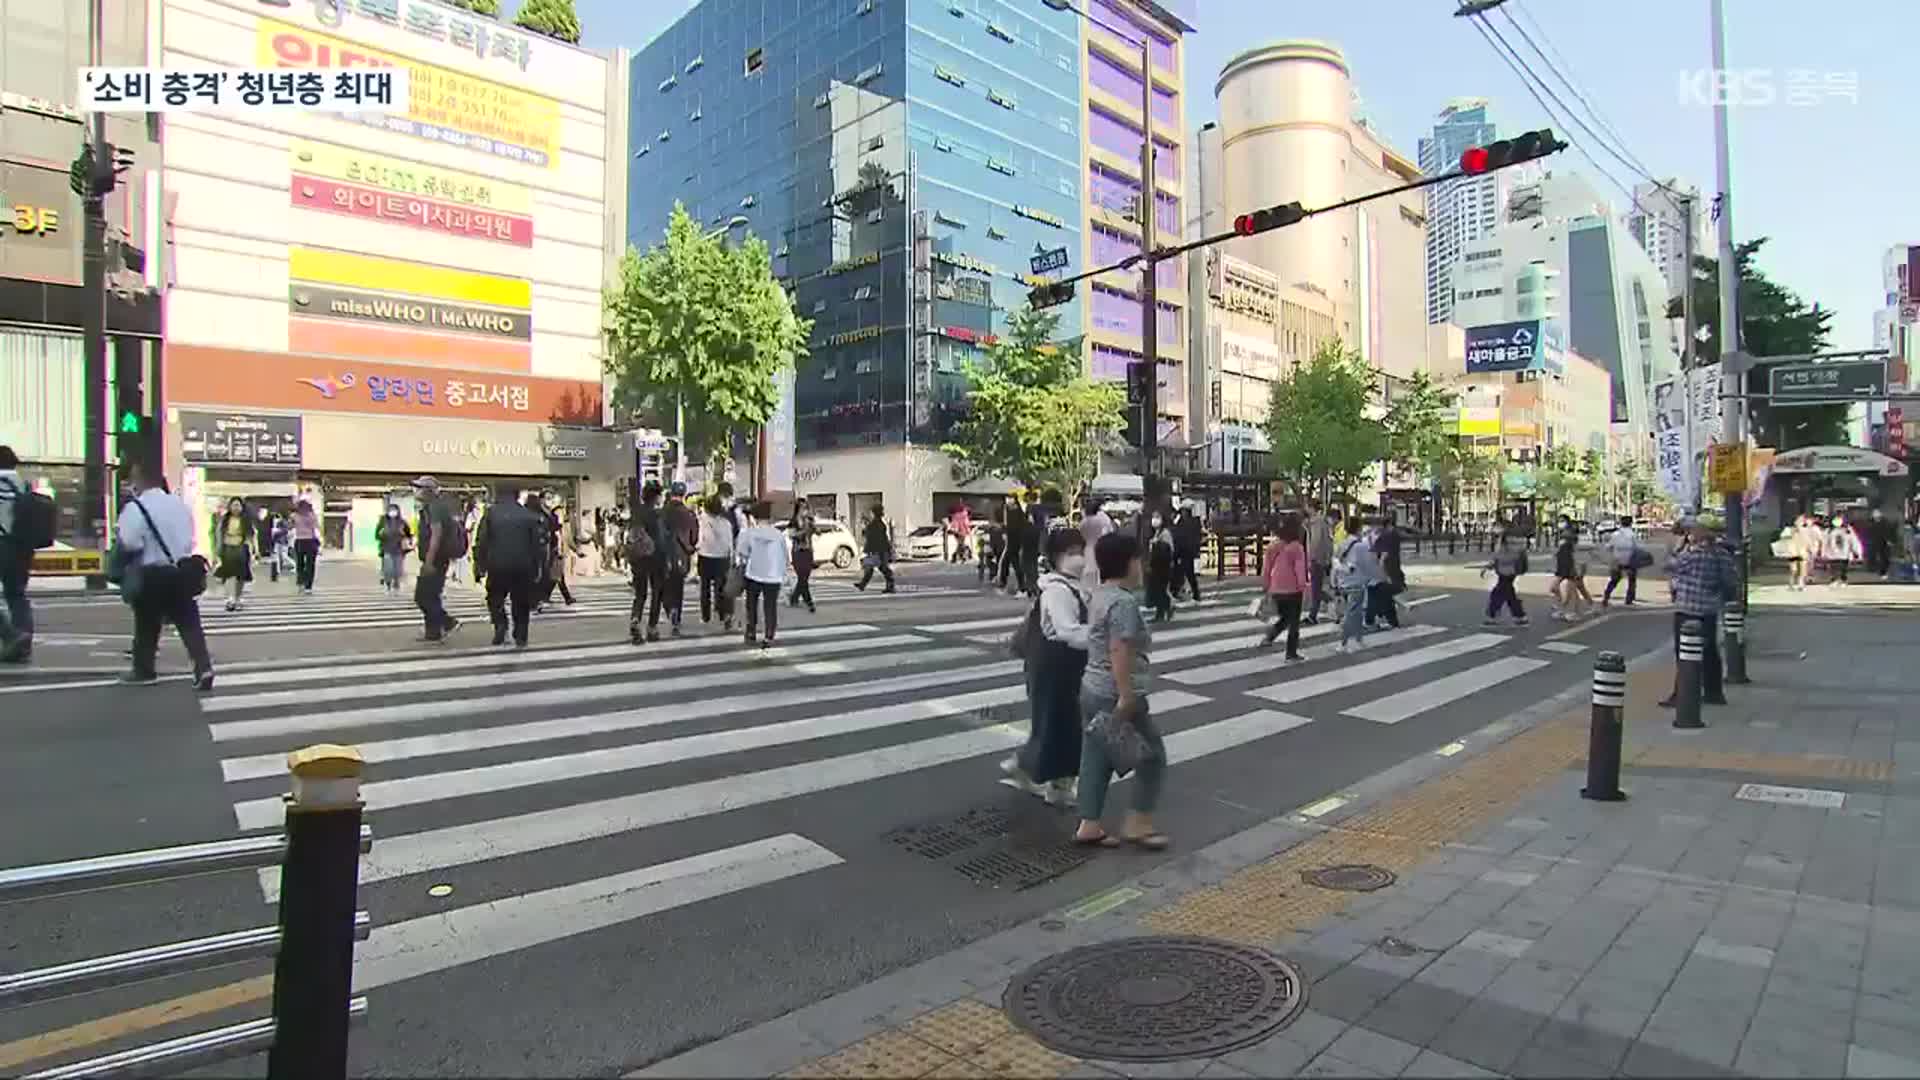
(1832,184)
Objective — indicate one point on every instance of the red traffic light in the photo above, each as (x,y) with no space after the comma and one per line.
(1245,225)
(1474,160)
(1498,155)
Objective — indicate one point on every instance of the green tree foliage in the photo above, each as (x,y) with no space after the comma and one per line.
(1317,420)
(1464,469)
(1033,415)
(703,322)
(489,8)
(1423,430)
(1562,480)
(554,18)
(1774,321)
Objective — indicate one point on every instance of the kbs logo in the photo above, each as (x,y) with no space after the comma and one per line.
(1755,87)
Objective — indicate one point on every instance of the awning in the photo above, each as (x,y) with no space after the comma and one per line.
(1838,459)
(1118,484)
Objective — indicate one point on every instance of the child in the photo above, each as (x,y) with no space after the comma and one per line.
(1508,563)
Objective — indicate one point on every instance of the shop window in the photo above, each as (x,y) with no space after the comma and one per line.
(756,59)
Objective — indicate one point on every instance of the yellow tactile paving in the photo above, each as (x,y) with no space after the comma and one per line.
(890,1054)
(1817,766)
(960,1028)
(1019,1056)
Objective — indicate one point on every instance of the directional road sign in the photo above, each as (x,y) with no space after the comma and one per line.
(1045,262)
(1833,383)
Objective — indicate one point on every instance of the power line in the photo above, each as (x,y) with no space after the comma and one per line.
(1572,114)
(1565,71)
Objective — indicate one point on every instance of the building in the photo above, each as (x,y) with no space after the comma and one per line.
(1658,221)
(1523,415)
(1287,130)
(1599,285)
(41,360)
(1459,211)
(355,304)
(905,162)
(1897,427)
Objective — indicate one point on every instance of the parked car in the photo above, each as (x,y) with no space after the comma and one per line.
(833,543)
(926,542)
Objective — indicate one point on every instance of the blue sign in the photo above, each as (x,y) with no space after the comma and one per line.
(1527,345)
(1047,261)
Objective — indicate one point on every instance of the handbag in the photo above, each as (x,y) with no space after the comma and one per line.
(1125,747)
(192,570)
(736,582)
(1257,607)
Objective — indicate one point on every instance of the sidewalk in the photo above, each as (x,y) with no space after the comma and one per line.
(1753,908)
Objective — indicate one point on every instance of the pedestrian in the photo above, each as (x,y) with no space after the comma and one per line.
(1114,699)
(559,551)
(1355,570)
(17,545)
(993,553)
(1056,658)
(1839,550)
(1014,522)
(714,550)
(1508,563)
(160,577)
(1625,557)
(1881,539)
(395,539)
(1285,579)
(960,524)
(1188,536)
(1702,577)
(877,541)
(233,543)
(680,529)
(508,545)
(1319,542)
(1033,538)
(800,536)
(306,545)
(1383,610)
(443,541)
(1569,579)
(645,543)
(764,558)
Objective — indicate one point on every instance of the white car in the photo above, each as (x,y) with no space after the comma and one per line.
(833,543)
(928,542)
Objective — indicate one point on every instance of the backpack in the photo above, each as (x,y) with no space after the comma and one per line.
(34,518)
(458,542)
(1345,572)
(641,542)
(1026,636)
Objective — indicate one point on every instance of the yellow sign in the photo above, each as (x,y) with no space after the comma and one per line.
(445,106)
(68,563)
(331,162)
(35,219)
(413,279)
(1727,469)
(1479,420)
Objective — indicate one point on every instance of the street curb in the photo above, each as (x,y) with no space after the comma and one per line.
(980,970)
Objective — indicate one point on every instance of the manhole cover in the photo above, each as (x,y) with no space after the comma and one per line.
(1349,878)
(1155,999)
(997,846)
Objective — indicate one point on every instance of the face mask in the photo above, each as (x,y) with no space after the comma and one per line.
(393,511)
(1073,565)
(1156,521)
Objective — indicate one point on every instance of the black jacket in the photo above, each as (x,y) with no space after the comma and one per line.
(877,538)
(511,539)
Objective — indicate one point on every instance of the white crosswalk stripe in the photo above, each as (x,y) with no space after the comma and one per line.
(476,758)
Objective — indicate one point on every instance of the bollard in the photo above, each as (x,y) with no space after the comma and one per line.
(313,974)
(1686,677)
(1733,620)
(1607,730)
(1219,556)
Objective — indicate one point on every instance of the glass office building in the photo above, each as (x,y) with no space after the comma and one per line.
(904,159)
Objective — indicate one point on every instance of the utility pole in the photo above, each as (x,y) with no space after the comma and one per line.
(1687,323)
(96,180)
(1732,361)
(1149,296)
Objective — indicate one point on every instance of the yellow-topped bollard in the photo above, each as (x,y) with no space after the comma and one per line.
(325,777)
(313,973)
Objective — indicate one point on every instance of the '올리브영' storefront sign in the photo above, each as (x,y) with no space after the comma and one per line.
(444,106)
(334,197)
(199,375)
(331,162)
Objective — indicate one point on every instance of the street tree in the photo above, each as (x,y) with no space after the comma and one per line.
(697,322)
(553,18)
(1032,413)
(1422,427)
(1318,423)
(1466,470)
(489,8)
(1774,321)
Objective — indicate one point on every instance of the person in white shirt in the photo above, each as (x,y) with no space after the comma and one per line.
(1094,524)
(1622,547)
(763,554)
(715,551)
(155,533)
(1050,761)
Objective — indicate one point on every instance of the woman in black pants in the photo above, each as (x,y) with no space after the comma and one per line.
(715,551)
(800,536)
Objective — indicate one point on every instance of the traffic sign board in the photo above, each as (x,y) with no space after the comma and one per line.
(1829,383)
(1045,262)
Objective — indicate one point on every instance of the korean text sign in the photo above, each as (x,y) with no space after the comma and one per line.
(218,89)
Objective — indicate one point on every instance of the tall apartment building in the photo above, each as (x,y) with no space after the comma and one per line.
(1657,221)
(1459,211)
(904,160)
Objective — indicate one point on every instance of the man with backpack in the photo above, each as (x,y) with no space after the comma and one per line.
(645,542)
(507,548)
(681,531)
(26,526)
(443,539)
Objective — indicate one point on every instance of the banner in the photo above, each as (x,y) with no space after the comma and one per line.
(1671,456)
(780,439)
(444,106)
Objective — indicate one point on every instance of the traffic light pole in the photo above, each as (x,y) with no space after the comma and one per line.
(1149,300)
(93,322)
(1733,372)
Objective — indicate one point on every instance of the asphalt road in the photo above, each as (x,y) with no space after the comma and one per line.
(636,851)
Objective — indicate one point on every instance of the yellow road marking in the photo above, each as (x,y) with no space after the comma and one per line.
(120,1025)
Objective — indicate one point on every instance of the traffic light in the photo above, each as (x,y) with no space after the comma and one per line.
(1052,294)
(131,423)
(1534,144)
(1137,384)
(1273,217)
(96,177)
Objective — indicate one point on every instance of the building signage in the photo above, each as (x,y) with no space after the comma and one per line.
(854,264)
(353,200)
(1040,216)
(1046,262)
(964,262)
(331,162)
(1837,459)
(204,376)
(852,336)
(1530,344)
(484,37)
(1671,455)
(971,337)
(780,434)
(412,312)
(1828,384)
(567,452)
(1477,420)
(1897,431)
(355,271)
(240,439)
(30,220)
(444,106)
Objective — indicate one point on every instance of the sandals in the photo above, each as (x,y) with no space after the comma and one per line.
(1152,841)
(1105,840)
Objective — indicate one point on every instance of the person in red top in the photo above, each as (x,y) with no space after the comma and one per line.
(1285,579)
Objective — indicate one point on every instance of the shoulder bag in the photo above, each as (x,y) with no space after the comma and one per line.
(191,572)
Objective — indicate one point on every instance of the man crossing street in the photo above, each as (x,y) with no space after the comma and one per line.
(507,548)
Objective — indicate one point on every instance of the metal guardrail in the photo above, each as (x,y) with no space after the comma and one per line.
(312,942)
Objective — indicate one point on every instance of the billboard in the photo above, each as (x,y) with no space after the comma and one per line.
(240,440)
(1525,345)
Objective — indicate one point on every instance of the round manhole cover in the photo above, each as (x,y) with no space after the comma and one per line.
(1155,999)
(1349,878)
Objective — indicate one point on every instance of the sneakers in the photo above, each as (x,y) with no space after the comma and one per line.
(634,634)
(135,678)
(1522,621)
(203,681)
(1490,621)
(1296,658)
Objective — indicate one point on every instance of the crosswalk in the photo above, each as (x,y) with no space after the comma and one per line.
(569,789)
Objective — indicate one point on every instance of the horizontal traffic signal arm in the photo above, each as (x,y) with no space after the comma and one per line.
(1477,161)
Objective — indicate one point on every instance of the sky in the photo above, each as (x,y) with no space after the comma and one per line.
(1831,184)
